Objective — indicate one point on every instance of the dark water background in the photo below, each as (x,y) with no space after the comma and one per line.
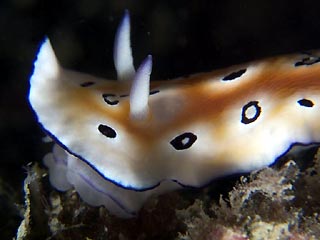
(184,37)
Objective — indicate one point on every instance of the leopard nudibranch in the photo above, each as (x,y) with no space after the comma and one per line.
(118,142)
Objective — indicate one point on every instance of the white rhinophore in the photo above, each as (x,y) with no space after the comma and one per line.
(139,93)
(122,52)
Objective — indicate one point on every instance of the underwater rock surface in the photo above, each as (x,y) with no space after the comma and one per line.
(279,202)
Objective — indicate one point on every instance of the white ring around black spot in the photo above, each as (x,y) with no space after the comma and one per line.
(234,75)
(183,141)
(110,98)
(154,92)
(244,115)
(307,61)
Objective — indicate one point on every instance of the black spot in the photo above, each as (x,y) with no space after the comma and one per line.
(154,92)
(305,102)
(183,141)
(87,84)
(307,61)
(107,131)
(107,97)
(151,93)
(244,118)
(234,75)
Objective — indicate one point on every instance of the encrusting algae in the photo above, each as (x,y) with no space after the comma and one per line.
(278,202)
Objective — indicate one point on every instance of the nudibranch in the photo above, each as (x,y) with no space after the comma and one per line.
(118,142)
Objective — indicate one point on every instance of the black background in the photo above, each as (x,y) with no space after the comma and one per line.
(184,37)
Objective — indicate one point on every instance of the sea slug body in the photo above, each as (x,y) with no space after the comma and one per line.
(119,142)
